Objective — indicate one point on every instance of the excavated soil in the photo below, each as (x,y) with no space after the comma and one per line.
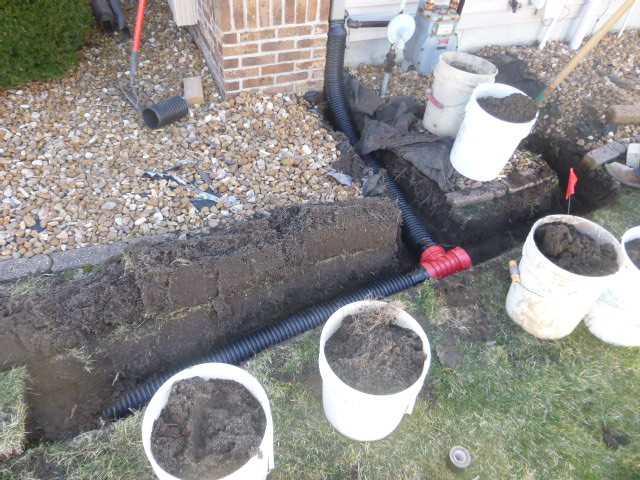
(162,304)
(515,108)
(633,250)
(373,355)
(464,67)
(575,251)
(208,429)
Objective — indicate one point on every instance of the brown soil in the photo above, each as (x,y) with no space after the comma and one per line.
(165,303)
(464,67)
(208,429)
(373,355)
(575,251)
(633,250)
(515,108)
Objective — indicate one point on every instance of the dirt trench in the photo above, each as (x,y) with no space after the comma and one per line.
(160,305)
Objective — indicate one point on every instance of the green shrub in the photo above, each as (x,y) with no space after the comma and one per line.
(40,39)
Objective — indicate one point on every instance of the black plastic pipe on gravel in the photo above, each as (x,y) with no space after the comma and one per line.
(246,347)
(415,229)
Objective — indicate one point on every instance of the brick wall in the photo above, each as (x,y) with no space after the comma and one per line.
(270,46)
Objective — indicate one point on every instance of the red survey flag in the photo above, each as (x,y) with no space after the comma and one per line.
(571,184)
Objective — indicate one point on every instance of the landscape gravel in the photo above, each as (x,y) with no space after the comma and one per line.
(74,154)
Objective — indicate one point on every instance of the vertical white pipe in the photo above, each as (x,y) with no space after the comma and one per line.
(626,19)
(337,9)
(547,33)
(585,22)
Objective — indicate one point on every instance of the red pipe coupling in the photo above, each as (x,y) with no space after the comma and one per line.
(440,264)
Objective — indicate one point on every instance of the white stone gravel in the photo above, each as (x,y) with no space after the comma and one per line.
(73,152)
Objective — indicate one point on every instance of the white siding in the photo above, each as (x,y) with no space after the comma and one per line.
(483,22)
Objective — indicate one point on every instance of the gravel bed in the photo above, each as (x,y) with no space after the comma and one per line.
(73,153)
(402,83)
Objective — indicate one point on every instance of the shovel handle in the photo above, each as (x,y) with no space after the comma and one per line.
(514,271)
(137,34)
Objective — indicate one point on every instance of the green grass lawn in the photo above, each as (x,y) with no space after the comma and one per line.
(525,408)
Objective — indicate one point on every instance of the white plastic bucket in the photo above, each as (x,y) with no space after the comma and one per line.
(485,143)
(615,318)
(549,302)
(363,416)
(258,466)
(452,89)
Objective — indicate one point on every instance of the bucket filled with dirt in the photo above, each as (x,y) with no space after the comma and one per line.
(374,358)
(209,422)
(497,118)
(615,317)
(567,263)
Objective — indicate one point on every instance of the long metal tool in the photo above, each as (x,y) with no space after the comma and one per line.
(132,93)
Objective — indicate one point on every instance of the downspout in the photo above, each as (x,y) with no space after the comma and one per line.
(586,22)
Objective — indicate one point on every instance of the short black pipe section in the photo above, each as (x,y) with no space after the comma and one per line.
(353,23)
(165,112)
(250,345)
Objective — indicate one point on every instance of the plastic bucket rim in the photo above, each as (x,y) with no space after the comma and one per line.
(183,375)
(630,235)
(334,377)
(551,264)
(475,95)
(464,58)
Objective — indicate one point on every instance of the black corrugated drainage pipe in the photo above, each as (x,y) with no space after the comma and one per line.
(248,346)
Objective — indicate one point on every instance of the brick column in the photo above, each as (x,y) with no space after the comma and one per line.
(268,46)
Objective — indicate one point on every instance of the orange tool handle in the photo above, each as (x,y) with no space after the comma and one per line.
(137,33)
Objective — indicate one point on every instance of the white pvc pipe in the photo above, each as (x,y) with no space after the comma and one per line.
(585,22)
(626,19)
(338,9)
(547,33)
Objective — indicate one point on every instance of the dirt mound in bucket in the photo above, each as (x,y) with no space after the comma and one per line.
(372,355)
(633,250)
(516,108)
(208,429)
(575,251)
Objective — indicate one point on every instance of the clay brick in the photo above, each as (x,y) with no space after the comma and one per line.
(278,45)
(252,13)
(295,31)
(276,11)
(312,42)
(320,28)
(230,38)
(624,114)
(279,68)
(290,56)
(230,86)
(258,60)
(242,49)
(242,73)
(264,13)
(312,10)
(311,65)
(257,82)
(605,154)
(325,10)
(231,63)
(278,89)
(290,11)
(319,53)
(292,77)
(301,11)
(238,14)
(317,74)
(222,14)
(257,35)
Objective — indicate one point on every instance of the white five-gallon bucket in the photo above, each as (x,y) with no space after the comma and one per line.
(485,143)
(549,302)
(258,466)
(451,90)
(615,318)
(358,415)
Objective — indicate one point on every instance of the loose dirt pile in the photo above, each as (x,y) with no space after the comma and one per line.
(208,429)
(464,67)
(372,355)
(515,108)
(574,251)
(633,250)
